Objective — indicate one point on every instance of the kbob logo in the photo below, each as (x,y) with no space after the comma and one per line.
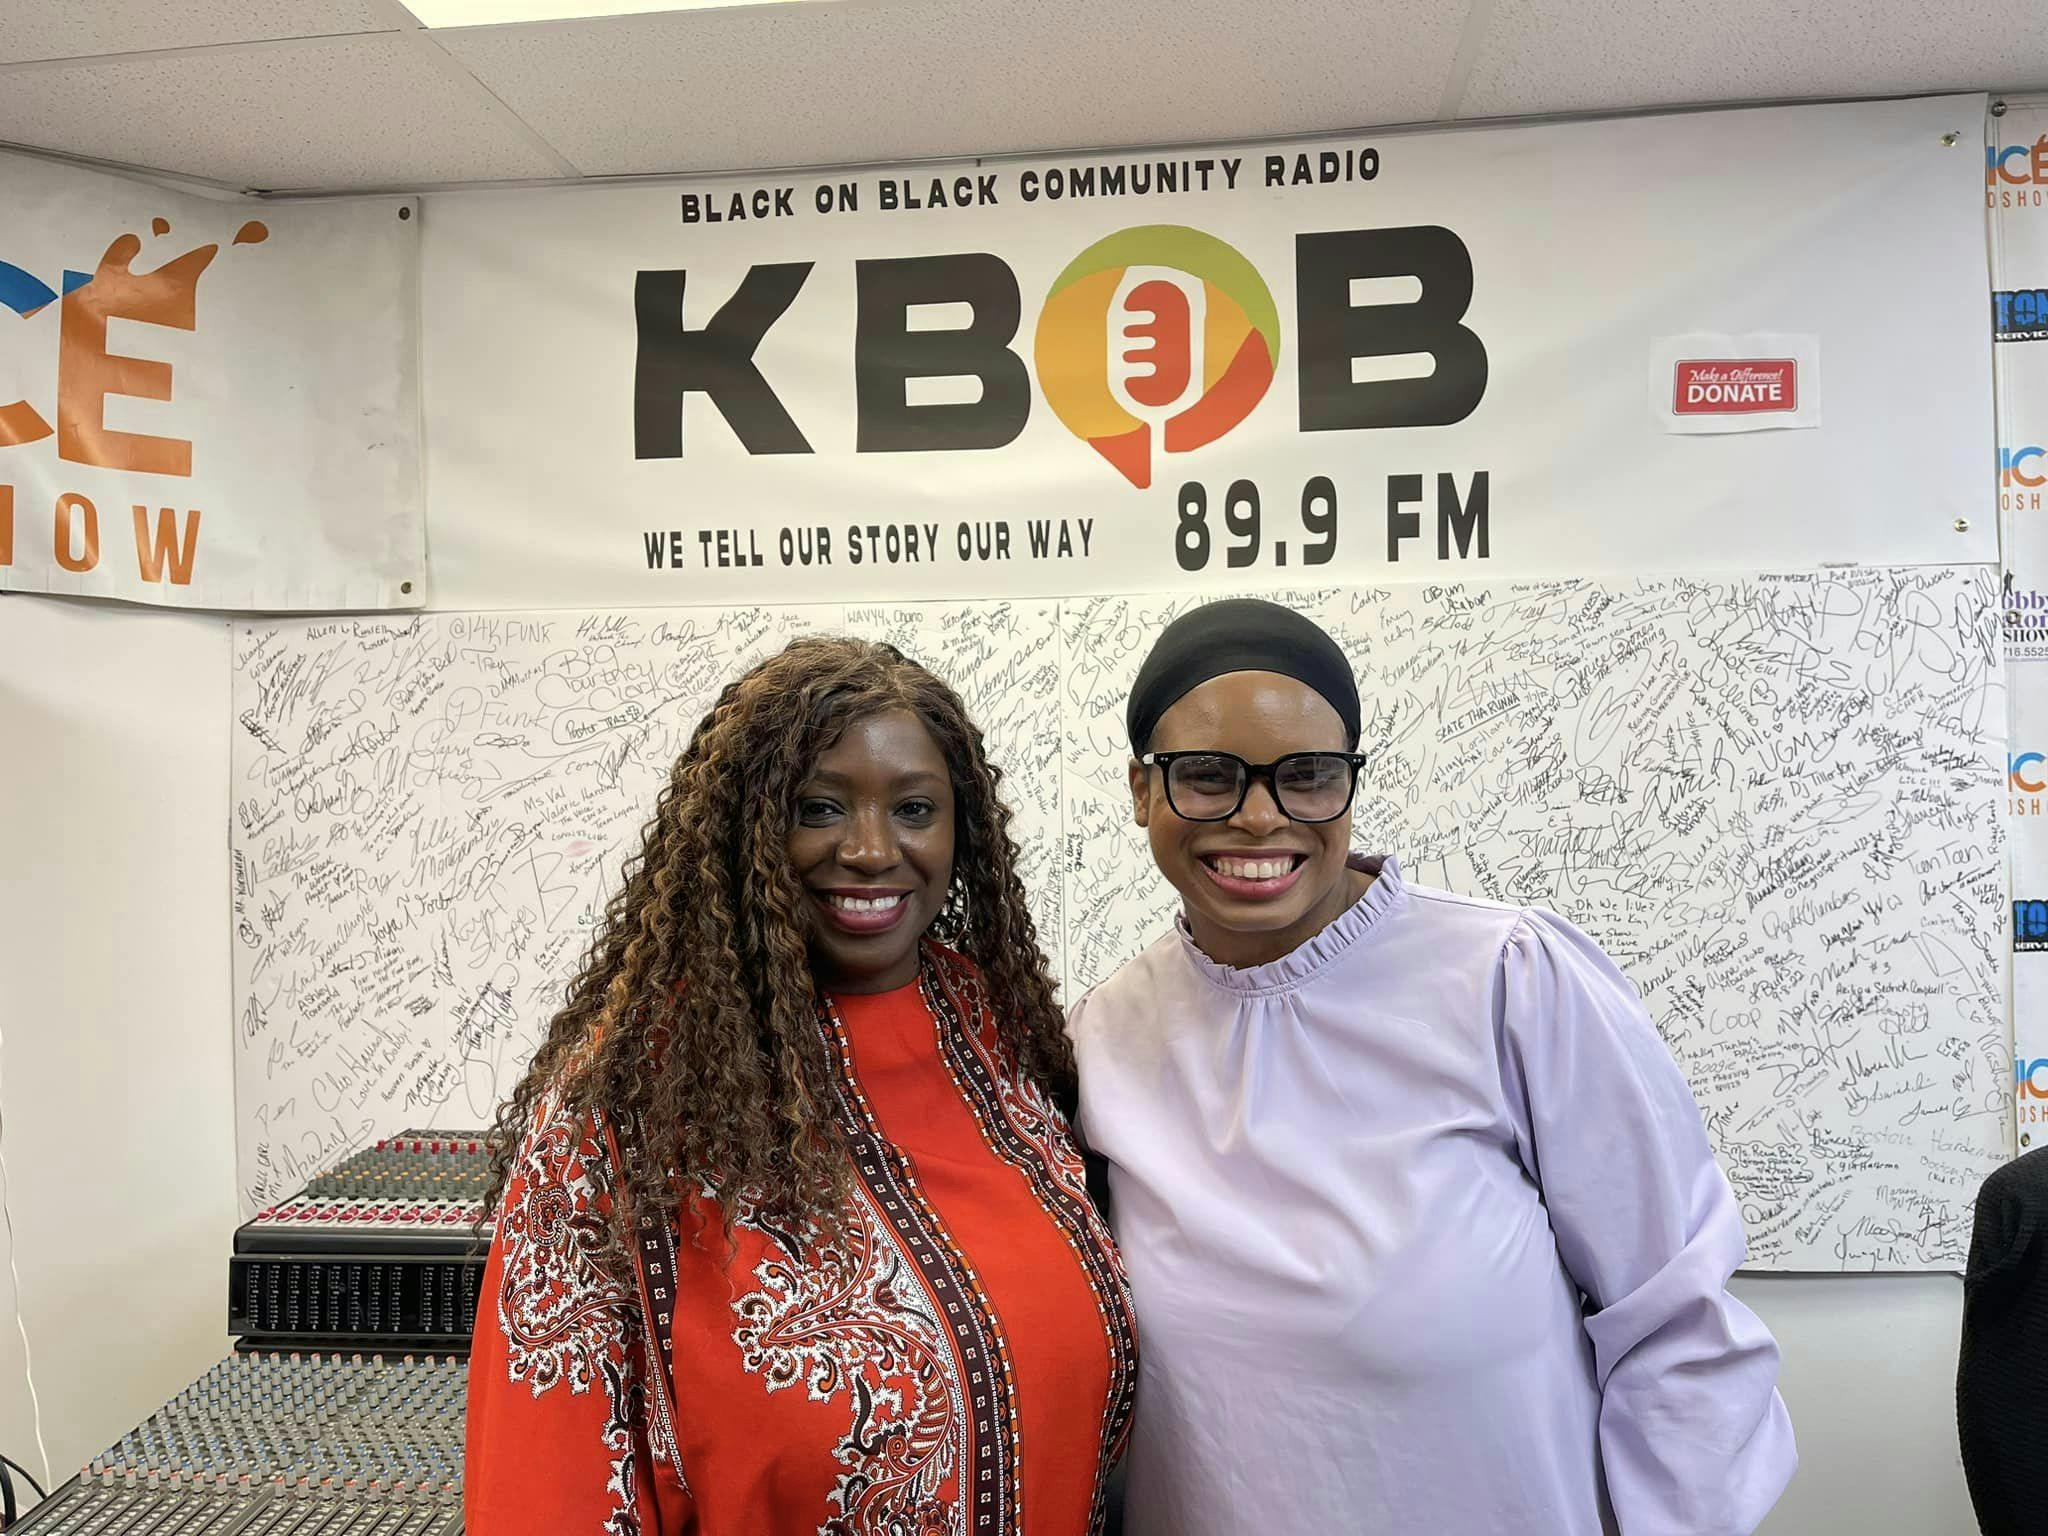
(1206,329)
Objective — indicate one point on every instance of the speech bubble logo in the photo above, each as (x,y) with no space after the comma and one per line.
(1092,308)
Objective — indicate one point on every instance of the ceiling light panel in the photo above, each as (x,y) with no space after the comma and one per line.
(488,13)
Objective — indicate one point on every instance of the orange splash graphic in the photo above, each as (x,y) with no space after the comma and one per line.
(87,372)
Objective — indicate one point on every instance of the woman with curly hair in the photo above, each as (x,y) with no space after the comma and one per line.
(792,1235)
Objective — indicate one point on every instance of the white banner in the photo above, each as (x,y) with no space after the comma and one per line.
(1407,356)
(2016,192)
(207,402)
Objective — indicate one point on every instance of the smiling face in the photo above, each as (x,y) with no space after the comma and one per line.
(872,842)
(1258,885)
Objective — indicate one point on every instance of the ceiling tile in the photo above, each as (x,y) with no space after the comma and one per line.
(47,29)
(1590,55)
(351,112)
(902,79)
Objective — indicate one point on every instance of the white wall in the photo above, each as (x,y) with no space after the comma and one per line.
(115,1080)
(1870,1379)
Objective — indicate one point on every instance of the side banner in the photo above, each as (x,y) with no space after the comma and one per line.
(1413,356)
(206,402)
(2016,192)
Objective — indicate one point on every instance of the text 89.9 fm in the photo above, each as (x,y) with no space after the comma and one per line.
(1243,536)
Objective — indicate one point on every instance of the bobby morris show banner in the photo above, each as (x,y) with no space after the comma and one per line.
(207,402)
(1749,338)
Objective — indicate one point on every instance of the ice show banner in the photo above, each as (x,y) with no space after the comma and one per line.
(2016,193)
(1383,356)
(207,402)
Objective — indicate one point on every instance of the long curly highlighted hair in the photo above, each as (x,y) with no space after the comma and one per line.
(694,1016)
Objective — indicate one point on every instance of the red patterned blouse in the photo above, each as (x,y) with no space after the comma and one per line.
(959,1361)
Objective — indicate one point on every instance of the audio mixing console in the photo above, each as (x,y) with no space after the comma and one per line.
(382,1250)
(304,1431)
(270,1444)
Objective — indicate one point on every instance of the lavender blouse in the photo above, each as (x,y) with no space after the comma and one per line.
(1425,1236)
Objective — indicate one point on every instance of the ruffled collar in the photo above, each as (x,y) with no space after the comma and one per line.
(1301,965)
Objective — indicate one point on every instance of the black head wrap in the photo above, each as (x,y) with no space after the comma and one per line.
(1240,634)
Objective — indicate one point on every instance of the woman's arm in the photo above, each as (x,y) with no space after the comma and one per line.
(1095,1168)
(557,1432)
(1694,1438)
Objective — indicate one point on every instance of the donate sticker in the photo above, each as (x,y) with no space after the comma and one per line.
(1759,384)
(1748,383)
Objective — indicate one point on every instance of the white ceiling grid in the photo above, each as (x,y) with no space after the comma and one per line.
(340,95)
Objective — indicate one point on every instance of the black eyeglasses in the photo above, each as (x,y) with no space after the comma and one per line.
(1211,786)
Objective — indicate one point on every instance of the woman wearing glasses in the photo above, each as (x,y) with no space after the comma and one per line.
(1421,1221)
